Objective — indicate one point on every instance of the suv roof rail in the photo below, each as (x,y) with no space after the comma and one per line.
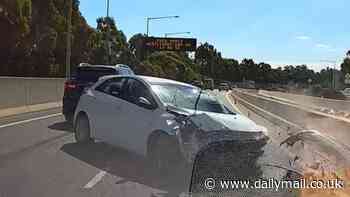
(84,64)
(123,65)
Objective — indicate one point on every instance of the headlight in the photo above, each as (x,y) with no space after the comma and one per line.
(176,130)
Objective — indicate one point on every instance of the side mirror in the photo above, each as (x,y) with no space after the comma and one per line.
(143,102)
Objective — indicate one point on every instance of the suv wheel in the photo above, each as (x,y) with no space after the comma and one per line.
(82,129)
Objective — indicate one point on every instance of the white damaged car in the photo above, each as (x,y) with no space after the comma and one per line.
(165,120)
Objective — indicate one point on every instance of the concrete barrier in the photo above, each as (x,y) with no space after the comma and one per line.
(18,92)
(337,128)
(337,105)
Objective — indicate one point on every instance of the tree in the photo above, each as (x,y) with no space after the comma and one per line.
(249,69)
(265,73)
(209,60)
(136,46)
(169,65)
(345,66)
(107,32)
(34,41)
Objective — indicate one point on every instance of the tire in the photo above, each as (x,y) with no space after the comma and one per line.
(82,129)
(68,118)
(165,155)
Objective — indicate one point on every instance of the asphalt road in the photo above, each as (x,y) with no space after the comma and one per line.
(39,157)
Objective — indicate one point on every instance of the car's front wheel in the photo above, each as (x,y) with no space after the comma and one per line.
(82,129)
(165,155)
(68,118)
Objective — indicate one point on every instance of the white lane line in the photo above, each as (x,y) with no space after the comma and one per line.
(95,180)
(29,120)
(232,104)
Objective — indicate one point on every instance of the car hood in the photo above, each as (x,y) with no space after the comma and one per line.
(209,121)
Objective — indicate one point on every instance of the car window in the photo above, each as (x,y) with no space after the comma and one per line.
(88,74)
(130,72)
(210,105)
(113,87)
(123,71)
(135,89)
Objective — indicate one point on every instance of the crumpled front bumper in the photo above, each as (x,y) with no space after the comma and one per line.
(194,141)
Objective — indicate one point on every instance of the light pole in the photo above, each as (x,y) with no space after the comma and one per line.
(176,33)
(157,18)
(69,37)
(107,8)
(108,33)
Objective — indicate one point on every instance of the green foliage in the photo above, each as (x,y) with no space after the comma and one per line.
(213,65)
(24,12)
(24,8)
(345,66)
(170,65)
(40,47)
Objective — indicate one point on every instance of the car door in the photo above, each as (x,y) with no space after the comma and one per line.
(138,119)
(108,108)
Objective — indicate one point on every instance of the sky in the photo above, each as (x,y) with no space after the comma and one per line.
(312,32)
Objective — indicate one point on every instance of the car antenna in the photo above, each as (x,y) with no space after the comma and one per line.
(197,101)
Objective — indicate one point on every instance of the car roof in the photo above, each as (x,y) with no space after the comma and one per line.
(86,65)
(151,80)
(157,81)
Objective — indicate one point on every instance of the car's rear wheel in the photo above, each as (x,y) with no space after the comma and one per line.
(82,129)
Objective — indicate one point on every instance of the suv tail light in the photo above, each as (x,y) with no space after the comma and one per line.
(70,85)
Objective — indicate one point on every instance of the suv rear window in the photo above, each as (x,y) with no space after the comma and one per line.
(125,71)
(89,74)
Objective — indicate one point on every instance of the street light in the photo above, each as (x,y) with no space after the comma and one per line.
(176,33)
(108,34)
(107,8)
(69,37)
(157,18)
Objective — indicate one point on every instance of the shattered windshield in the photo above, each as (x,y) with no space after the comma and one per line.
(186,97)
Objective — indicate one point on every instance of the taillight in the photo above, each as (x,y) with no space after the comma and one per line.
(70,85)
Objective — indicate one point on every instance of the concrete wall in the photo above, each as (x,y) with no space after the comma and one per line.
(302,117)
(17,91)
(337,105)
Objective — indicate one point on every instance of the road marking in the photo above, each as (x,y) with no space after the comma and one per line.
(233,105)
(268,114)
(95,180)
(29,120)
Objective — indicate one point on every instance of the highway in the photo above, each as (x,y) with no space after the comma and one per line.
(39,157)
(300,116)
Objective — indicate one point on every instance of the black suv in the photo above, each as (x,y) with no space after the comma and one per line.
(86,75)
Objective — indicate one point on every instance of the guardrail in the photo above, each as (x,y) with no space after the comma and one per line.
(18,91)
(295,117)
